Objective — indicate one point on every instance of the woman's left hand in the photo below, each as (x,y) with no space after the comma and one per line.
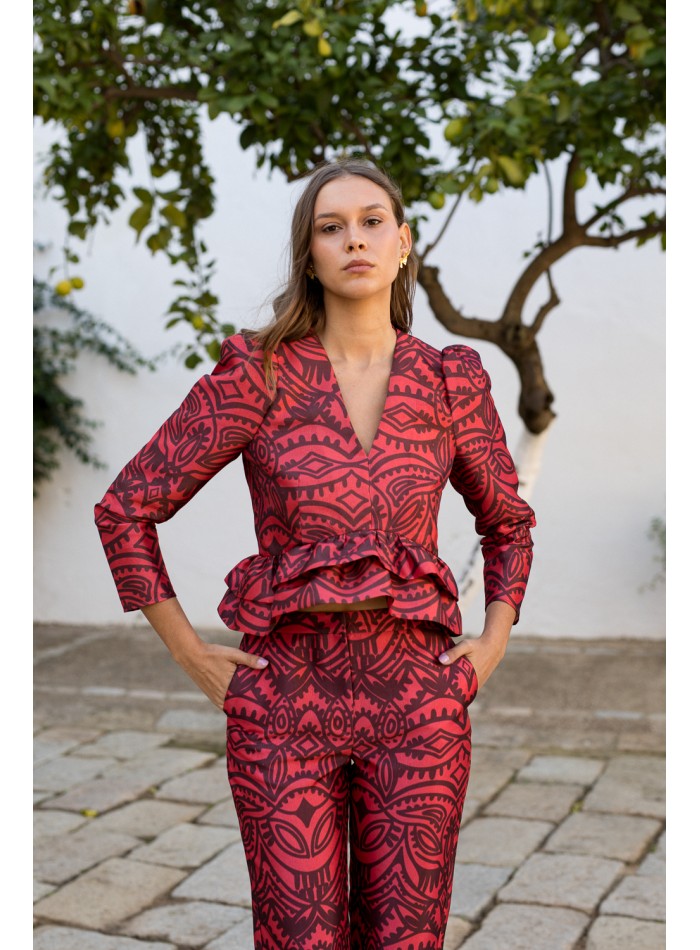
(483,654)
(486,651)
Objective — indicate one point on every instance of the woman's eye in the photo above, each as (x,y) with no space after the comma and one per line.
(374,221)
(330,228)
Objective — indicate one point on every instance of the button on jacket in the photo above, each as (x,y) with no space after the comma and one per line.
(334,523)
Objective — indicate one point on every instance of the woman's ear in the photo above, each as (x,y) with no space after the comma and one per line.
(406,239)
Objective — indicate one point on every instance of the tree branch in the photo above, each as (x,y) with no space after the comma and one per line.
(539,265)
(592,240)
(447,313)
(442,230)
(553,302)
(631,192)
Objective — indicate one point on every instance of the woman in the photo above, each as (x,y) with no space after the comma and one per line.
(347,701)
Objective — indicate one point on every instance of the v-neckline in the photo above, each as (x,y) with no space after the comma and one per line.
(341,399)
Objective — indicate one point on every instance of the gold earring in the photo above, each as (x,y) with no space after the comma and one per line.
(402,262)
(310,272)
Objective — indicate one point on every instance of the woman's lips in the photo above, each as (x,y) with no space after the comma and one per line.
(358,267)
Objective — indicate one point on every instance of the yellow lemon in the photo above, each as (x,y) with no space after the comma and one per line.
(579,178)
(453,129)
(77,282)
(63,288)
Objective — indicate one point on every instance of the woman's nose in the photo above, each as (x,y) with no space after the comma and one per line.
(355,242)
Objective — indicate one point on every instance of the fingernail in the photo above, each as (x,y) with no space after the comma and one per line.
(444,658)
(261,661)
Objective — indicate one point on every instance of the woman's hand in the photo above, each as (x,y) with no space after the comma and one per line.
(486,651)
(483,654)
(211,667)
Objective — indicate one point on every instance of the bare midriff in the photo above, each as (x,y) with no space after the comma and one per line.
(372,603)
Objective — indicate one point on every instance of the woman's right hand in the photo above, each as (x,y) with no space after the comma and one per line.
(211,667)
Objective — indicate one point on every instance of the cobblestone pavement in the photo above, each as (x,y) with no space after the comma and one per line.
(137,845)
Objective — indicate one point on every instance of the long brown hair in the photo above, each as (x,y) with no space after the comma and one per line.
(298,308)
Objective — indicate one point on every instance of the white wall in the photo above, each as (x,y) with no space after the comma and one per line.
(603,473)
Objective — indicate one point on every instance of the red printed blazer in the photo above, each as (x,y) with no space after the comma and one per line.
(334,524)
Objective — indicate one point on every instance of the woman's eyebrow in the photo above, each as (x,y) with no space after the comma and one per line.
(336,214)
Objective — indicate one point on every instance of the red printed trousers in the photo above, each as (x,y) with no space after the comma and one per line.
(354,728)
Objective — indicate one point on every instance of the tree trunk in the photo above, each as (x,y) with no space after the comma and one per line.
(536,398)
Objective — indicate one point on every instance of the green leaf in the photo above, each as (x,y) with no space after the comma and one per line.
(627,11)
(564,108)
(79,228)
(537,34)
(140,218)
(175,216)
(194,359)
(214,349)
(144,195)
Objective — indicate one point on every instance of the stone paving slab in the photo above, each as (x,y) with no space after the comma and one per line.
(186,845)
(40,797)
(126,781)
(655,861)
(55,822)
(562,880)
(489,757)
(239,937)
(469,809)
(65,771)
(487,781)
(475,886)
(124,744)
(638,896)
(41,889)
(147,818)
(109,893)
(222,814)
(633,785)
(58,861)
(67,938)
(198,722)
(548,802)
(573,734)
(207,786)
(455,933)
(520,927)
(159,764)
(224,879)
(624,837)
(619,933)
(503,842)
(562,769)
(100,795)
(55,742)
(187,923)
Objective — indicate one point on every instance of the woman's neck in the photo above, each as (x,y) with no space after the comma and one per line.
(354,330)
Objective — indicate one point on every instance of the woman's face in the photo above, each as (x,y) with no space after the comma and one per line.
(356,243)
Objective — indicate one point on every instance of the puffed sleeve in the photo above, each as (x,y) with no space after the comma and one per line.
(484,474)
(214,423)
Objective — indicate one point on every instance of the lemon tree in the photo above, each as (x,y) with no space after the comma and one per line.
(457,100)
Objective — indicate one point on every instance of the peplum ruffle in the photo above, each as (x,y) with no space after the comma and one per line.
(418,585)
